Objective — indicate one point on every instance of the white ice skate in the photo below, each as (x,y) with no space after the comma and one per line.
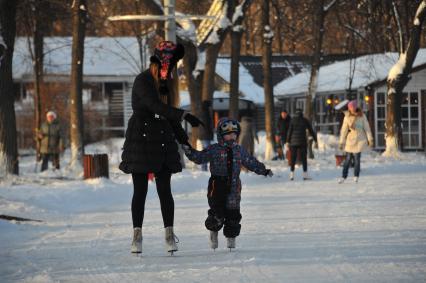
(230,243)
(291,176)
(214,243)
(341,180)
(137,241)
(171,240)
(306,176)
(356,179)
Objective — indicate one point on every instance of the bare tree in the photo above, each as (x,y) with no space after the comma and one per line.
(267,81)
(398,78)
(320,13)
(79,18)
(8,136)
(236,35)
(36,26)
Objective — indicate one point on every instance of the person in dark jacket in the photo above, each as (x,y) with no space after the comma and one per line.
(248,134)
(297,141)
(226,157)
(51,141)
(150,145)
(283,125)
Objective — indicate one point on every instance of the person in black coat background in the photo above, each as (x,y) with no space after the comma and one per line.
(283,124)
(297,141)
(150,145)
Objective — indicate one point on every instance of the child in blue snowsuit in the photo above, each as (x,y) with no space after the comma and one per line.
(226,158)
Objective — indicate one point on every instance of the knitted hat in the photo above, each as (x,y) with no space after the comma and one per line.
(352,105)
(51,113)
(167,54)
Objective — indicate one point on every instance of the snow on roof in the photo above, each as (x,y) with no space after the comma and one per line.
(103,56)
(335,77)
(251,91)
(185,99)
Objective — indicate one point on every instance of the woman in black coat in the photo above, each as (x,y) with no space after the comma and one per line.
(297,141)
(150,145)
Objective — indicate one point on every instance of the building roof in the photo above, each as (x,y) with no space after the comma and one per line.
(247,85)
(103,56)
(367,70)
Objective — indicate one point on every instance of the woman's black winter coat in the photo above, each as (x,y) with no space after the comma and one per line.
(150,144)
(297,131)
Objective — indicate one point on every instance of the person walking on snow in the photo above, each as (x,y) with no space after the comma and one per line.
(297,142)
(355,137)
(51,141)
(226,158)
(150,146)
(283,125)
(248,134)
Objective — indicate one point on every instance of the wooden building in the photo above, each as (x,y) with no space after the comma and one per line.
(363,79)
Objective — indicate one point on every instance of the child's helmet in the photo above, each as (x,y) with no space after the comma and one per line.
(227,125)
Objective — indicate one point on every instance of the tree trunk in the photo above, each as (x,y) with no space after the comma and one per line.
(79,13)
(40,26)
(267,81)
(8,135)
(194,84)
(397,79)
(235,74)
(207,90)
(236,35)
(318,29)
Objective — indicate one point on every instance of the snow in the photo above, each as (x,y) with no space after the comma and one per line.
(420,9)
(249,89)
(238,13)
(3,45)
(222,24)
(187,30)
(312,231)
(268,34)
(201,63)
(328,7)
(103,56)
(398,68)
(247,86)
(392,150)
(335,77)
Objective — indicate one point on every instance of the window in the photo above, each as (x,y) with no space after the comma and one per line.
(410,119)
(328,120)
(300,104)
(380,119)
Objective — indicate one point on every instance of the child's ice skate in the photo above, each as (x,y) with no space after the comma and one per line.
(137,241)
(341,180)
(230,243)
(356,179)
(291,176)
(214,243)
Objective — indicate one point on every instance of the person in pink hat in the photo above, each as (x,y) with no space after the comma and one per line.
(355,137)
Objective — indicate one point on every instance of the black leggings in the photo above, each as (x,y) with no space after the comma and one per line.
(303,156)
(140,189)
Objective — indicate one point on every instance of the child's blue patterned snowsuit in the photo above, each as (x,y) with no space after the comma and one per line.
(224,191)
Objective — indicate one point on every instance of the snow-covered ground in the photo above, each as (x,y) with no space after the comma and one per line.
(300,231)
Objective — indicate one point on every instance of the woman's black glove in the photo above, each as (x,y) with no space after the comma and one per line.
(191,119)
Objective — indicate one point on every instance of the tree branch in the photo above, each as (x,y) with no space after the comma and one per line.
(397,18)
